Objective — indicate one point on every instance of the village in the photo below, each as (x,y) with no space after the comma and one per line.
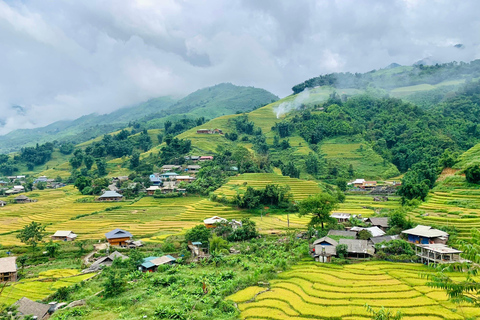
(353,238)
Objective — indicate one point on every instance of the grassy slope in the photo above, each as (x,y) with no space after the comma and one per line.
(323,291)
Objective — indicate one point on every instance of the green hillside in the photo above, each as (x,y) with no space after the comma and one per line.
(209,102)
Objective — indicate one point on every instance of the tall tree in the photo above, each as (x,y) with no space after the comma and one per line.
(319,206)
(32,234)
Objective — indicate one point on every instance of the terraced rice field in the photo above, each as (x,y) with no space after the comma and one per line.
(324,291)
(364,205)
(41,287)
(300,189)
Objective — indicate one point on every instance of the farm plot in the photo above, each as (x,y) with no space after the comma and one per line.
(322,291)
(366,206)
(41,287)
(300,189)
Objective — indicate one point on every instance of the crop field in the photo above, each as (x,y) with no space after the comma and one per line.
(324,291)
(364,205)
(300,189)
(41,287)
(366,163)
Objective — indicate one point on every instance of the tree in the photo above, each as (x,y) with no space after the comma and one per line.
(364,234)
(32,234)
(22,260)
(341,184)
(114,283)
(472,174)
(319,206)
(80,244)
(312,164)
(198,233)
(467,289)
(399,220)
(247,231)
(342,250)
(218,245)
(383,314)
(89,161)
(101,167)
(135,160)
(52,248)
(290,170)
(82,182)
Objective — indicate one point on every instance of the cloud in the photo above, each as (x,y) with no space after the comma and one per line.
(63,59)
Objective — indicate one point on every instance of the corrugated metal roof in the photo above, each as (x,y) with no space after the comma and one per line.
(111,194)
(118,233)
(426,231)
(8,264)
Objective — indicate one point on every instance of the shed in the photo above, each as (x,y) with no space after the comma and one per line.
(64,236)
(206,158)
(426,235)
(110,196)
(151,264)
(118,237)
(23,199)
(8,269)
(27,307)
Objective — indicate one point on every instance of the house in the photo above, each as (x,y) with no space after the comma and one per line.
(151,264)
(107,261)
(374,231)
(217,131)
(8,269)
(197,250)
(438,253)
(118,237)
(342,233)
(110,196)
(358,248)
(155,180)
(194,158)
(205,158)
(27,307)
(185,179)
(376,240)
(64,236)
(40,179)
(210,222)
(193,168)
(170,167)
(358,183)
(204,131)
(426,235)
(381,222)
(19,188)
(169,175)
(169,187)
(151,190)
(324,249)
(23,199)
(3,183)
(2,203)
(369,184)
(11,191)
(341,217)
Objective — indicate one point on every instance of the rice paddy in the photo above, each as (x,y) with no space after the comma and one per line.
(41,287)
(324,291)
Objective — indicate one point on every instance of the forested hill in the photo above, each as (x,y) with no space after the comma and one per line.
(209,102)
(395,76)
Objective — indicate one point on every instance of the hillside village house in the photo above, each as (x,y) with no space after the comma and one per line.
(155,179)
(376,240)
(169,175)
(2,203)
(369,184)
(374,231)
(324,249)
(39,311)
(3,183)
(8,269)
(23,199)
(210,222)
(342,233)
(205,158)
(151,264)
(151,190)
(110,196)
(118,237)
(170,167)
(358,248)
(341,217)
(438,253)
(381,222)
(193,168)
(204,131)
(185,179)
(357,183)
(64,236)
(426,235)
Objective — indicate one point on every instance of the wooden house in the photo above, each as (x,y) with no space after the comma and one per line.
(426,235)
(118,237)
(23,199)
(8,269)
(185,179)
(324,249)
(110,196)
(204,131)
(38,311)
(64,236)
(381,222)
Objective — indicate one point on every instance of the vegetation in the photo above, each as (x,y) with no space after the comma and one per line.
(319,207)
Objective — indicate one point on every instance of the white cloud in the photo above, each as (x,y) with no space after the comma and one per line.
(65,58)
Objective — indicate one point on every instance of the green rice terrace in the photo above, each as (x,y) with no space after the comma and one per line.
(320,291)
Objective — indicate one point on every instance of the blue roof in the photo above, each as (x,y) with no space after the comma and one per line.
(171,257)
(196,243)
(118,233)
(155,179)
(147,264)
(169,174)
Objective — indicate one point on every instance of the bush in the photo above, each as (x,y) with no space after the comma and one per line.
(472,174)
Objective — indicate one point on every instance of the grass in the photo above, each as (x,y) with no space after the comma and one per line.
(343,151)
(323,291)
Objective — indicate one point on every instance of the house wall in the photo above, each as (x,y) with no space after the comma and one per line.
(417,239)
(8,277)
(118,242)
(110,199)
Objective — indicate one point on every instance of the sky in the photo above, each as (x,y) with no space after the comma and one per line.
(61,59)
